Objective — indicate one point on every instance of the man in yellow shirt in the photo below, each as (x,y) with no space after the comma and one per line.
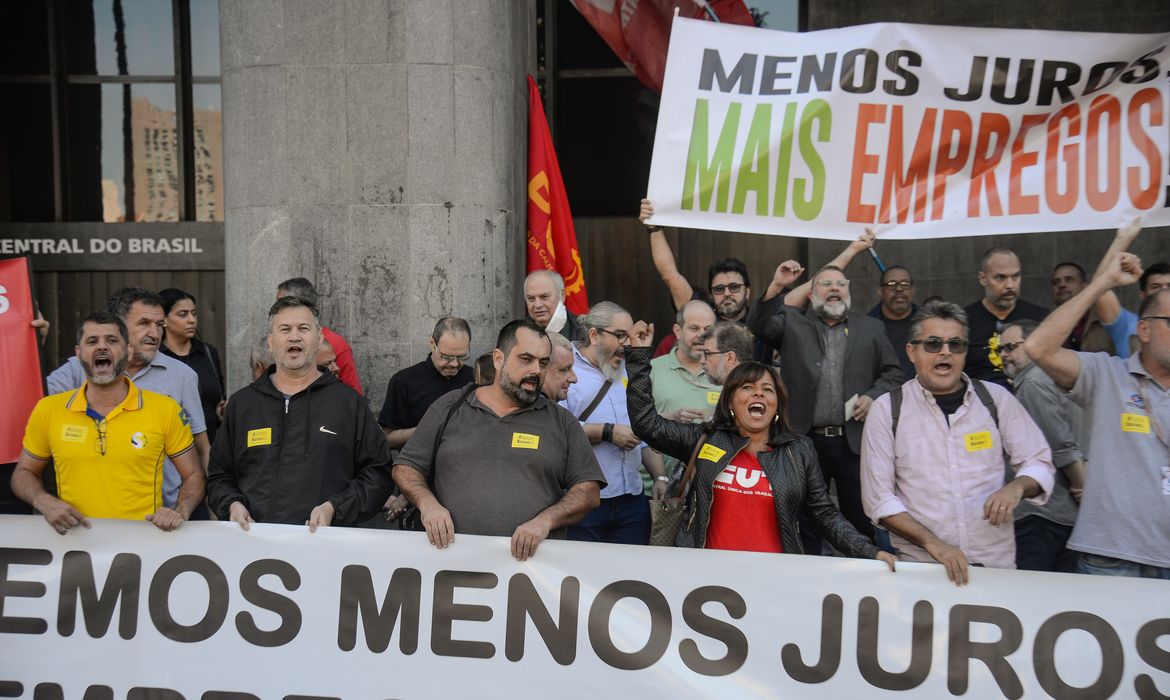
(107,440)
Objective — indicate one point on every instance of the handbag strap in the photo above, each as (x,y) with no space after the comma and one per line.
(596,400)
(689,473)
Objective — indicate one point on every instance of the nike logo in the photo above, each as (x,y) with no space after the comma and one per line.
(327,430)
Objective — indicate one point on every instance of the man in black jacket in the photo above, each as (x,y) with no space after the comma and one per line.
(297,445)
(835,362)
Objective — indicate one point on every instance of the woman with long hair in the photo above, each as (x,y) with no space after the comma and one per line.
(753,476)
(180,341)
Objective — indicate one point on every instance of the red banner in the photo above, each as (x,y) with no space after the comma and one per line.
(552,241)
(20,358)
(638,31)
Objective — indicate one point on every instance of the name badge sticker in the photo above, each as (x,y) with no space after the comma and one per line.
(524,441)
(711,453)
(978,441)
(73,433)
(712,398)
(1135,423)
(259,436)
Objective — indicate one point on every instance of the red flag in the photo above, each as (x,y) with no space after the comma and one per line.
(20,357)
(638,31)
(552,242)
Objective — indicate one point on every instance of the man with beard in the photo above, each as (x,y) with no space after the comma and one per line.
(141,310)
(935,450)
(501,459)
(895,309)
(599,402)
(297,445)
(1107,326)
(107,441)
(999,274)
(1123,527)
(835,362)
(411,391)
(544,298)
(725,346)
(560,375)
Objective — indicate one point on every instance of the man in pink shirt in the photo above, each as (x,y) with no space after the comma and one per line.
(935,477)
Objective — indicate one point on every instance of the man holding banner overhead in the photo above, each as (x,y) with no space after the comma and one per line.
(107,441)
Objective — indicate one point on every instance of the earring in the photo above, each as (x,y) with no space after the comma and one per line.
(776,418)
(732,413)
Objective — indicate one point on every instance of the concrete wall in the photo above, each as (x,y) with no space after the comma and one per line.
(948,267)
(377,148)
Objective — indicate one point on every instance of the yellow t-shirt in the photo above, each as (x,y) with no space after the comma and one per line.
(113,467)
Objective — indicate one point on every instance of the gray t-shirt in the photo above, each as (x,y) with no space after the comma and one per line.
(1060,421)
(1125,510)
(495,473)
(164,375)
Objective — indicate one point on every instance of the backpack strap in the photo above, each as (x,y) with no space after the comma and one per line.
(985,396)
(439,436)
(895,410)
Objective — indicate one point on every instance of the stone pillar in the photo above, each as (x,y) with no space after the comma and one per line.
(376,147)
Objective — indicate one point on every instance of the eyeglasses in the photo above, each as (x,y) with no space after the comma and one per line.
(709,353)
(934,344)
(100,443)
(897,284)
(1007,348)
(733,288)
(1160,318)
(825,284)
(454,358)
(622,336)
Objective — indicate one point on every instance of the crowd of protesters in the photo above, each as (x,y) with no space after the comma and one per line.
(999,434)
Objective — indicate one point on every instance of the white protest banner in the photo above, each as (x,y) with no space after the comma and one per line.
(213,612)
(918,131)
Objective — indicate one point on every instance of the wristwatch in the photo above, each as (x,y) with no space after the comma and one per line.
(662,478)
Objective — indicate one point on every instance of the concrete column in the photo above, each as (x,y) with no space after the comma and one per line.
(377,148)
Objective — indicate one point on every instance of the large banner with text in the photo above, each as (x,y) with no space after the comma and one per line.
(213,612)
(20,356)
(918,131)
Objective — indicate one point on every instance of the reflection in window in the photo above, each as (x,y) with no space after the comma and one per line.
(131,150)
(120,37)
(208,144)
(204,37)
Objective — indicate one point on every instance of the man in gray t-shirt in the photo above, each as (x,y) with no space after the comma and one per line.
(501,459)
(1123,527)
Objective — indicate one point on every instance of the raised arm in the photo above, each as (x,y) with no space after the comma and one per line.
(1108,306)
(680,290)
(1044,345)
(799,297)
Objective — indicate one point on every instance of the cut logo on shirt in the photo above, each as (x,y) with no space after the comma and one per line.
(1135,423)
(260,436)
(524,441)
(978,441)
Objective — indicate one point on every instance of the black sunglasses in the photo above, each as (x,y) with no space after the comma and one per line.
(933,344)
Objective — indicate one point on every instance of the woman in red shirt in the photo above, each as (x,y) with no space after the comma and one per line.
(753,476)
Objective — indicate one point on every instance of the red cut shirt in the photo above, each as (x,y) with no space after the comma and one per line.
(743,511)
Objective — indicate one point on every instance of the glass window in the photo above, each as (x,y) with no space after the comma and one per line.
(24,38)
(120,37)
(208,123)
(123,152)
(26,149)
(205,37)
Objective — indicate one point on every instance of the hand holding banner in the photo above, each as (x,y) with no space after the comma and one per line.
(920,131)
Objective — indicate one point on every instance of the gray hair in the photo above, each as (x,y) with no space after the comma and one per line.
(945,310)
(734,337)
(261,354)
(680,317)
(448,325)
(600,315)
(1026,326)
(560,341)
(557,280)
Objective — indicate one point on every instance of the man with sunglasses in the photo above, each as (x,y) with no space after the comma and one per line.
(411,391)
(107,441)
(895,310)
(934,450)
(1123,528)
(836,362)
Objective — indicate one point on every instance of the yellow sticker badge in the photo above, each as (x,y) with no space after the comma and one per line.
(524,441)
(711,453)
(73,433)
(259,436)
(978,441)
(1135,423)
(712,398)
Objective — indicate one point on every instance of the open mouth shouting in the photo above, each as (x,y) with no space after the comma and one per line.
(757,409)
(531,383)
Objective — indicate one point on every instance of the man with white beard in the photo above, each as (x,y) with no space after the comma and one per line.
(598,400)
(835,362)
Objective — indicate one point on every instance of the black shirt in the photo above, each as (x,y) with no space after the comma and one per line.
(412,391)
(204,359)
(984,328)
(898,331)
(949,403)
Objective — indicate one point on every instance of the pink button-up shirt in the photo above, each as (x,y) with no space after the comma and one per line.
(942,473)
